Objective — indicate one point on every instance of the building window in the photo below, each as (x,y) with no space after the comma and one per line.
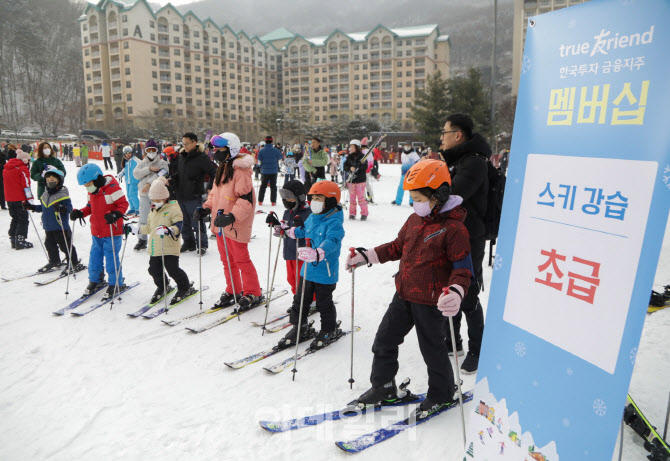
(126,58)
(128,84)
(152,25)
(126,45)
(154,74)
(175,27)
(129,97)
(196,33)
(130,110)
(127,71)
(124,18)
(125,32)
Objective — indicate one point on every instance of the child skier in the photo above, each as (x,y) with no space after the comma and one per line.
(290,167)
(233,195)
(356,166)
(106,206)
(324,228)
(55,208)
(147,170)
(164,222)
(16,181)
(131,183)
(434,252)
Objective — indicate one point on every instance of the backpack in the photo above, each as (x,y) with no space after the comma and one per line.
(494,201)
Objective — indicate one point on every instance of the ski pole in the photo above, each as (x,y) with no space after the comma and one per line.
(67,286)
(230,269)
(200,261)
(116,267)
(123,253)
(621,441)
(274,271)
(302,303)
(69,255)
(38,236)
(165,286)
(267,291)
(458,374)
(353,286)
(667,419)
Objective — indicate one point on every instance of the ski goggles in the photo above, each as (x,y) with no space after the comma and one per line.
(150,150)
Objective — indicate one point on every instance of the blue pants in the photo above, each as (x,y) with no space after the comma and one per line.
(401,193)
(133,198)
(101,258)
(289,177)
(189,231)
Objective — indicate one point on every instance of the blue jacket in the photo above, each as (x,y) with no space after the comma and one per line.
(269,156)
(289,244)
(128,176)
(50,221)
(326,231)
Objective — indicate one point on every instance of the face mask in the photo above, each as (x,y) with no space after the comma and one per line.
(221,156)
(151,156)
(157,205)
(52,184)
(91,189)
(422,209)
(289,205)
(46,152)
(408,149)
(317,207)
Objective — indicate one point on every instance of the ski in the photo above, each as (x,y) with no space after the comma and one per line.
(373,438)
(76,303)
(61,276)
(21,277)
(307,421)
(162,310)
(284,364)
(236,313)
(653,442)
(150,305)
(651,309)
(90,309)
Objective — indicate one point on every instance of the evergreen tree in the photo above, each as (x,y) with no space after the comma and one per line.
(431,107)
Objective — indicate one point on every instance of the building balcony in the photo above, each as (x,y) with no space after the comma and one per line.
(165,79)
(95,54)
(162,29)
(163,54)
(164,66)
(115,63)
(116,76)
(96,66)
(97,79)
(163,41)
(112,37)
(97,92)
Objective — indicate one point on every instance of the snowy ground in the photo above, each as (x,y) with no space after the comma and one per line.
(106,386)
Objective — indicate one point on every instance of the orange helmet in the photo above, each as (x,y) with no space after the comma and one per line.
(427,173)
(169,151)
(327,188)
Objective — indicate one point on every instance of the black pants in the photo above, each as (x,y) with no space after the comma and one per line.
(324,303)
(471,307)
(320,173)
(108,161)
(19,224)
(54,240)
(398,321)
(272,179)
(118,159)
(2,193)
(172,268)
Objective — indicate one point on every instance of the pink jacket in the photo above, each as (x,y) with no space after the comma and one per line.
(230,198)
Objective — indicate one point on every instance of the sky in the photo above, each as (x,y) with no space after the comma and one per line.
(174,2)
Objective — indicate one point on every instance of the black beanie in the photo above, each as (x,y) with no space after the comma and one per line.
(297,188)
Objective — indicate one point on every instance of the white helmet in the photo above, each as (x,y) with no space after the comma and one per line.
(262,143)
(127,149)
(230,140)
(355,142)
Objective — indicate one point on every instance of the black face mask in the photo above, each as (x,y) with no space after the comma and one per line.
(222,156)
(289,205)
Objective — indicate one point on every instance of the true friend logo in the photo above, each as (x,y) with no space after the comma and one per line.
(606,41)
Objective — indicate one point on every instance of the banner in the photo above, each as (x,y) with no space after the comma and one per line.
(586,204)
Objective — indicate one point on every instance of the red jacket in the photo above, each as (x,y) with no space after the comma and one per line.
(16,177)
(109,198)
(428,249)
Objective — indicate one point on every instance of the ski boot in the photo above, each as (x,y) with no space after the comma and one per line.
(141,245)
(226,299)
(76,267)
(158,294)
(324,338)
(48,268)
(247,302)
(182,294)
(92,287)
(114,289)
(306,333)
(22,243)
(12,240)
(364,218)
(386,394)
(428,408)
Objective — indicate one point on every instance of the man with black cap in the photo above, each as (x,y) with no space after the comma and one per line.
(269,157)
(315,163)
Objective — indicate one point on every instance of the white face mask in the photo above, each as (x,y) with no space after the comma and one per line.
(151,156)
(91,189)
(157,205)
(46,152)
(317,207)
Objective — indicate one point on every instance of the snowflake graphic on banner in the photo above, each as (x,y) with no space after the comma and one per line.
(526,64)
(497,262)
(599,407)
(666,176)
(520,349)
(633,355)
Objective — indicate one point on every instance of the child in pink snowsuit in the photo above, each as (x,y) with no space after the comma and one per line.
(356,166)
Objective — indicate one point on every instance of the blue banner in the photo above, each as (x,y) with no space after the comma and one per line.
(586,204)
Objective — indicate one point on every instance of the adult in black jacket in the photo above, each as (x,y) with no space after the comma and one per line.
(193,165)
(466,155)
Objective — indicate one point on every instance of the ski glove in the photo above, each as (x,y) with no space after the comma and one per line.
(449,301)
(76,214)
(290,232)
(309,255)
(224,220)
(272,220)
(28,206)
(298,222)
(133,228)
(113,216)
(164,230)
(58,208)
(201,213)
(357,259)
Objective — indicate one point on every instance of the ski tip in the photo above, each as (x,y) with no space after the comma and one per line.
(269,426)
(345,446)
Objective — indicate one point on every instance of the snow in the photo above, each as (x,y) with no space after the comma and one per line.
(106,386)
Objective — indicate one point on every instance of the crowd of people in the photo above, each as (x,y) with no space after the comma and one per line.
(176,189)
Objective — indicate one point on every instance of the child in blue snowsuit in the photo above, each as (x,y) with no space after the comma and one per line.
(55,208)
(131,183)
(321,265)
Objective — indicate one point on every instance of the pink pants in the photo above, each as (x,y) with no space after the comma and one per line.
(244,273)
(357,194)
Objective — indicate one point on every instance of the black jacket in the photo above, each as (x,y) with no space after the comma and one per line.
(354,160)
(192,167)
(470,180)
(289,244)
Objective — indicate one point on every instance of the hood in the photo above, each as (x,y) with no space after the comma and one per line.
(245,161)
(200,149)
(477,145)
(15,163)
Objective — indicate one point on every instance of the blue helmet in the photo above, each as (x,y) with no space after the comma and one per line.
(88,173)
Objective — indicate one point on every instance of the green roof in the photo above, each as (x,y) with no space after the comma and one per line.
(278,34)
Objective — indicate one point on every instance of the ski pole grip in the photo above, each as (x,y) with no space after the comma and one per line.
(352,251)
(308,243)
(363,253)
